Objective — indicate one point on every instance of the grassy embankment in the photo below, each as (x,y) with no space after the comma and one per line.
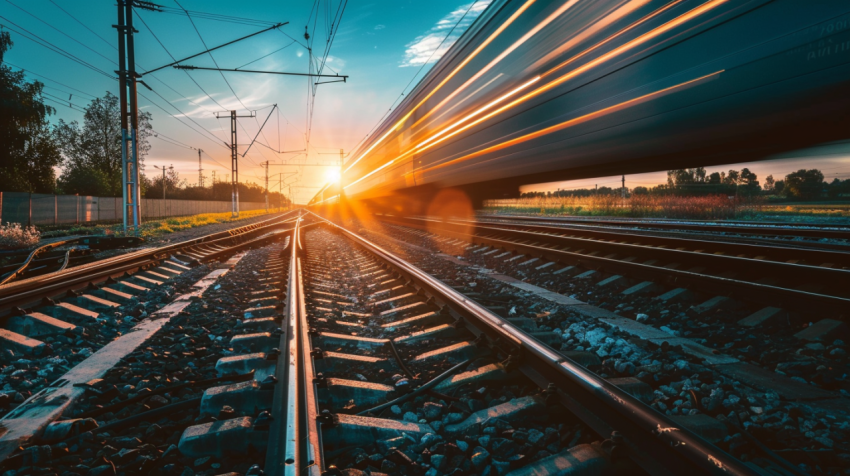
(715,207)
(155,227)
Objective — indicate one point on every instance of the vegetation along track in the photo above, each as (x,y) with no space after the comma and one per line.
(758,229)
(62,332)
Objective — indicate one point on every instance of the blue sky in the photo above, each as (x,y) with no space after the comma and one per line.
(380,44)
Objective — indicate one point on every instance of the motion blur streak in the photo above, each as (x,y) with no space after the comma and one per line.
(560,11)
(577,120)
(596,27)
(370,148)
(533,80)
(637,41)
(448,77)
(369,174)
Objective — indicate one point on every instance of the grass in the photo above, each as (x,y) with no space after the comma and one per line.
(711,207)
(157,227)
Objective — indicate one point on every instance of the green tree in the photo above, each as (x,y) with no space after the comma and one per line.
(715,178)
(748,182)
(27,150)
(804,184)
(769,183)
(92,151)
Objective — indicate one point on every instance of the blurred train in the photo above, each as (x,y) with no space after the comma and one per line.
(540,91)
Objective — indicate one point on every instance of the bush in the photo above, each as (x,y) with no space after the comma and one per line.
(706,207)
(13,236)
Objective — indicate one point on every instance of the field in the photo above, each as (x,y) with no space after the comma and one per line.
(713,207)
(156,227)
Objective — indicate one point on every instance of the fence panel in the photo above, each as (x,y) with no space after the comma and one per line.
(67,209)
(43,209)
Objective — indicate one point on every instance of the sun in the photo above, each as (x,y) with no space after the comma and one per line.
(332,175)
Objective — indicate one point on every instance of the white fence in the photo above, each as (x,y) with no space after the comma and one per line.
(43,209)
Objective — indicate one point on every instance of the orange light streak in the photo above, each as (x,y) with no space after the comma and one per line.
(560,11)
(463,63)
(492,103)
(369,174)
(581,69)
(571,122)
(711,4)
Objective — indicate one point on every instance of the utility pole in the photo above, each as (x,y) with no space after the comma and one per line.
(200,171)
(212,190)
(234,163)
(164,182)
(623,191)
(128,78)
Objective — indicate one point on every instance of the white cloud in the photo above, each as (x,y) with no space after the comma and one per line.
(380,27)
(336,62)
(430,47)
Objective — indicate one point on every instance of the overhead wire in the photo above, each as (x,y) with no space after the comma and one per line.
(61,32)
(111,45)
(209,53)
(41,41)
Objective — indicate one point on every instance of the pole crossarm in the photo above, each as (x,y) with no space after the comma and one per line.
(182,66)
(276,25)
(258,132)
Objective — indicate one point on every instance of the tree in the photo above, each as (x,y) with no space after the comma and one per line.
(804,184)
(768,183)
(748,182)
(838,188)
(715,178)
(779,187)
(93,150)
(732,177)
(27,150)
(640,191)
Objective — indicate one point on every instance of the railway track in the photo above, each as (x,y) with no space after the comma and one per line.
(63,331)
(322,352)
(397,372)
(797,360)
(771,276)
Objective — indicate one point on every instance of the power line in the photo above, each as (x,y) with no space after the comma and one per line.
(48,79)
(84,26)
(55,49)
(265,56)
(62,32)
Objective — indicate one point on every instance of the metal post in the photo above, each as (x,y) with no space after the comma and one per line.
(200,171)
(133,170)
(78,207)
(122,95)
(29,216)
(234,165)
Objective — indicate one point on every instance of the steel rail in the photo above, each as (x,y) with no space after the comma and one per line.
(757,267)
(18,272)
(654,441)
(29,291)
(766,229)
(774,253)
(283,456)
(788,298)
